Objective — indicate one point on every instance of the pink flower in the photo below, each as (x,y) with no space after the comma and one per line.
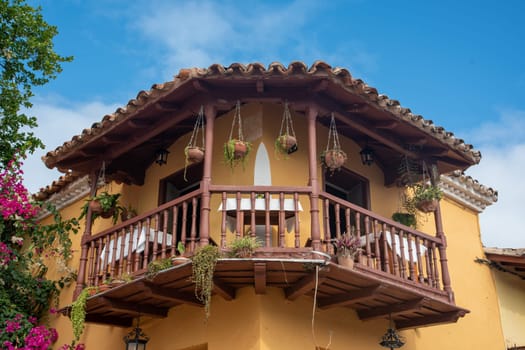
(12,326)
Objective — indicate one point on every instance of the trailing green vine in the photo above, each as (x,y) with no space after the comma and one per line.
(203,268)
(78,313)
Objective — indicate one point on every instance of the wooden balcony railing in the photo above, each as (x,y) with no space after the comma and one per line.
(274,215)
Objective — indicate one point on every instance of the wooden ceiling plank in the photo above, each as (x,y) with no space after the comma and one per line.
(351,297)
(304,285)
(135,308)
(259,86)
(446,317)
(393,309)
(225,291)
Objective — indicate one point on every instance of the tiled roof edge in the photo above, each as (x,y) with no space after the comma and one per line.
(468,191)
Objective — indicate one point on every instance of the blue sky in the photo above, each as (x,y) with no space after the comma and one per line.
(458,63)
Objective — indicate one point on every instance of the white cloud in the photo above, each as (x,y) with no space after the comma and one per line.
(58,122)
(502,144)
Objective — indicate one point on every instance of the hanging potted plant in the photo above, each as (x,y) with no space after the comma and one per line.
(193,152)
(407,219)
(103,205)
(333,157)
(426,197)
(203,268)
(347,247)
(236,149)
(286,142)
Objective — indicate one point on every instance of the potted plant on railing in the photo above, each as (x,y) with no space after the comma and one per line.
(156,266)
(180,259)
(333,157)
(236,149)
(203,268)
(243,247)
(104,205)
(347,247)
(425,197)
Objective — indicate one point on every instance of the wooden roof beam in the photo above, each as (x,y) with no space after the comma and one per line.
(168,294)
(259,275)
(165,106)
(225,291)
(259,86)
(384,311)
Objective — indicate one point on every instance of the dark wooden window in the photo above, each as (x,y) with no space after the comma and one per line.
(349,186)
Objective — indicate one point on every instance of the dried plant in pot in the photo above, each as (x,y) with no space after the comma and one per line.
(347,247)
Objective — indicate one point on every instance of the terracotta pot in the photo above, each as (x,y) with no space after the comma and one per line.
(239,150)
(427,206)
(95,207)
(334,159)
(179,260)
(107,214)
(346,261)
(195,154)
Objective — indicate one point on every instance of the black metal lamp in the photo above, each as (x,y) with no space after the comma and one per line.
(367,155)
(161,156)
(136,339)
(391,339)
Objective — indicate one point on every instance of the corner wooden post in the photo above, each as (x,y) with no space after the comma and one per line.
(81,277)
(434,178)
(210,112)
(315,230)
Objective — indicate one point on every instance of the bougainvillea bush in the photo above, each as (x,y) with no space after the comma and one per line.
(25,291)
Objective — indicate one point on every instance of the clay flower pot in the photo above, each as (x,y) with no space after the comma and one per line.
(287,144)
(346,261)
(427,206)
(239,150)
(194,154)
(334,159)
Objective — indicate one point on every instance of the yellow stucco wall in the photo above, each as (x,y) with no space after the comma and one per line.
(512,304)
(270,321)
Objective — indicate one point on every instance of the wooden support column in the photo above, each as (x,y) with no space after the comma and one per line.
(81,277)
(210,112)
(315,230)
(441,235)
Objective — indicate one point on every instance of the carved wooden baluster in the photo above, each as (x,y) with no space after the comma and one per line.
(419,263)
(326,221)
(429,263)
(348,227)
(223,221)
(367,242)
(129,261)
(436,266)
(135,239)
(395,265)
(357,232)
(267,227)
(281,220)
(173,248)
(377,258)
(184,227)
(93,259)
(384,258)
(252,214)
(165,216)
(239,215)
(193,229)
(410,257)
(155,239)
(114,238)
(175,226)
(296,218)
(337,219)
(123,253)
(402,267)
(147,230)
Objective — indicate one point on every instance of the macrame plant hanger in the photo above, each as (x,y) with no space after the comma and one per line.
(333,158)
(287,141)
(193,152)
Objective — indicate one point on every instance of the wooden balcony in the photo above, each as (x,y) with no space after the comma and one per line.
(400,271)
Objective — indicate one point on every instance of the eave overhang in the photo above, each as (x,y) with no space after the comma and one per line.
(158,117)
